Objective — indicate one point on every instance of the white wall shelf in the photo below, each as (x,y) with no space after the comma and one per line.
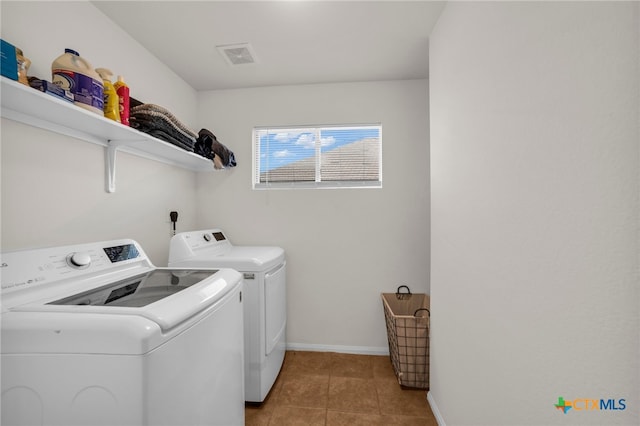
(33,107)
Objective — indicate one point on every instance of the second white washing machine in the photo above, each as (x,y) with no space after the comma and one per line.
(265,298)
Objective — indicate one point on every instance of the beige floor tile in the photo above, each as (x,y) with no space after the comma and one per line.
(349,365)
(395,400)
(304,391)
(408,421)
(353,395)
(318,363)
(298,416)
(256,416)
(322,388)
(382,367)
(339,418)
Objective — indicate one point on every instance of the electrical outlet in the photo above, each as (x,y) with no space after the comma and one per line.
(167,214)
(173,219)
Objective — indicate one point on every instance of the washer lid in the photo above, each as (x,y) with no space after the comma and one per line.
(138,291)
(167,297)
(240,258)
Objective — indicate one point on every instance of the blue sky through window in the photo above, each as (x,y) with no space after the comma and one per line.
(285,146)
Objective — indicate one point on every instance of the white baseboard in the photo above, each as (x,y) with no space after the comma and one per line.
(434,409)
(360,350)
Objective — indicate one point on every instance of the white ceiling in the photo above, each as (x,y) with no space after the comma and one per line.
(295,42)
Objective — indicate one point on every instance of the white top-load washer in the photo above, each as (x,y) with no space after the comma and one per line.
(265,304)
(94,334)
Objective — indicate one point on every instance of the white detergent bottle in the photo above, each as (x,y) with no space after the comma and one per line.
(73,73)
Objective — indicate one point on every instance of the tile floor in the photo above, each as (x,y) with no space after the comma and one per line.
(332,389)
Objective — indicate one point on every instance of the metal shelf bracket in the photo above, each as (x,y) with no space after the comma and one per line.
(112,148)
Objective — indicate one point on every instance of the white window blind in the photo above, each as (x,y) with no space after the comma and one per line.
(310,157)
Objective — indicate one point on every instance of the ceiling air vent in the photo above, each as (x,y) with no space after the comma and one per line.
(238,54)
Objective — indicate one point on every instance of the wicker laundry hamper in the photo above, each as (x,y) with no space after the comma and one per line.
(407,320)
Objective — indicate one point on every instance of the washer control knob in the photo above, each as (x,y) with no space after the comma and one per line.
(79,260)
(207,237)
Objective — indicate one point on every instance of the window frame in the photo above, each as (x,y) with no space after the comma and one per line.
(317,184)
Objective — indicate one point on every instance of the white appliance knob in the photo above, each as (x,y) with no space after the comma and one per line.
(79,260)
(207,237)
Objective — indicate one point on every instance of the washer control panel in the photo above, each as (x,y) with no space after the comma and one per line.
(80,260)
(30,268)
(211,242)
(199,238)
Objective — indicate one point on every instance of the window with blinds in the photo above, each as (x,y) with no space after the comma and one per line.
(317,157)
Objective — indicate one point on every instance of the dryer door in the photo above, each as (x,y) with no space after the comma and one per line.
(275,292)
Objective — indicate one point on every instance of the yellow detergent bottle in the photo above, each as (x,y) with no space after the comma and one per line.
(111,102)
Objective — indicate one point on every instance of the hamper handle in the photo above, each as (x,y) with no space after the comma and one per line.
(398,290)
(422,309)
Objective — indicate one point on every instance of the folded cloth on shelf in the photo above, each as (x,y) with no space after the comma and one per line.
(153,108)
(208,146)
(159,122)
(167,137)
